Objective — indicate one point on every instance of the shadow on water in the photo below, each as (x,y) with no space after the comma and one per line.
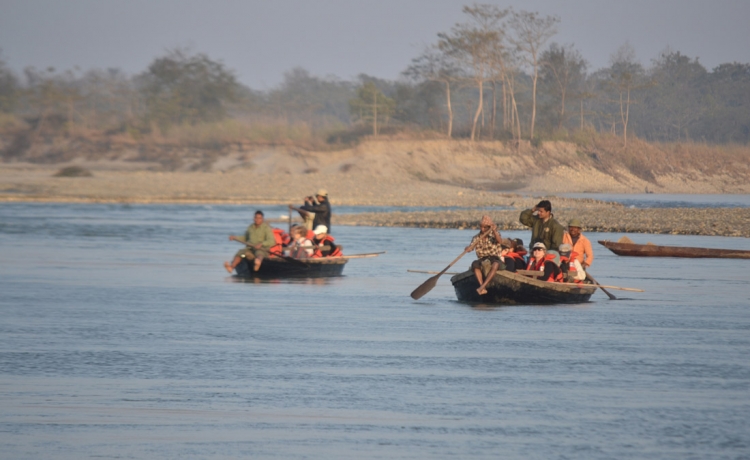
(322,281)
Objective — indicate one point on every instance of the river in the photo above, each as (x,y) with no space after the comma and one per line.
(123,337)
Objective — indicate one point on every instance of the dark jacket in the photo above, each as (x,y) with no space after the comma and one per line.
(322,213)
(550,233)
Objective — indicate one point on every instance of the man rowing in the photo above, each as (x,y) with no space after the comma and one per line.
(258,239)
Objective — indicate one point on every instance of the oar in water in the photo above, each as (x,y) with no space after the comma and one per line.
(609,294)
(427,286)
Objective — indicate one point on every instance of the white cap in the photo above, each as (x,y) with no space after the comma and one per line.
(320,229)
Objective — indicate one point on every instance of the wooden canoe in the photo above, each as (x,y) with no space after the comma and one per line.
(508,288)
(275,267)
(652,250)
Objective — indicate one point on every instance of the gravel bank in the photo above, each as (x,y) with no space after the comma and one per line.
(595,218)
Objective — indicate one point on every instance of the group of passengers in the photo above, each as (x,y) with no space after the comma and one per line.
(558,255)
(310,240)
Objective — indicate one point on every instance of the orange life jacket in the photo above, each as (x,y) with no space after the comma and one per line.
(282,239)
(540,267)
(570,265)
(328,239)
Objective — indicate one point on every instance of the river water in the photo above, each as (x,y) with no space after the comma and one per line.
(123,337)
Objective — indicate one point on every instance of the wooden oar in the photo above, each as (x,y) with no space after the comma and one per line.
(536,273)
(427,286)
(428,272)
(357,256)
(609,294)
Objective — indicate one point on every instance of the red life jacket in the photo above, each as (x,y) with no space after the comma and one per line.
(310,235)
(570,264)
(517,257)
(328,239)
(540,267)
(282,239)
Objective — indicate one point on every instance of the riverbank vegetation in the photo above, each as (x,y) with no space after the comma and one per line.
(497,75)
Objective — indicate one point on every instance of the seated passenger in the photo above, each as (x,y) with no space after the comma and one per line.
(543,262)
(302,247)
(507,262)
(518,253)
(323,242)
(572,269)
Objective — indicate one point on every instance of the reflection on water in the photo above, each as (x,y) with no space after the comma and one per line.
(123,336)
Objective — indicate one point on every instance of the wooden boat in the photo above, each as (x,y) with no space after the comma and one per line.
(652,250)
(276,267)
(508,288)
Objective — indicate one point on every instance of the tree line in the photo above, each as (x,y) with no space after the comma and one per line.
(497,74)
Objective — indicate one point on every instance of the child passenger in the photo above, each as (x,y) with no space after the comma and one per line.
(302,247)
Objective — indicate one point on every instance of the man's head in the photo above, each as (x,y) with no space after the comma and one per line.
(574,228)
(505,246)
(322,195)
(544,209)
(258,217)
(485,224)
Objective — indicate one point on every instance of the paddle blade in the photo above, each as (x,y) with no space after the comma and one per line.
(425,287)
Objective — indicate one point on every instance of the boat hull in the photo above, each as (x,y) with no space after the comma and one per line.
(508,288)
(652,250)
(274,267)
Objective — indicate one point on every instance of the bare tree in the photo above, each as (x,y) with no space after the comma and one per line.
(565,68)
(433,65)
(625,75)
(472,44)
(531,33)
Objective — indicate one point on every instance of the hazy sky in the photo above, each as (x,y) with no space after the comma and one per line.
(262,39)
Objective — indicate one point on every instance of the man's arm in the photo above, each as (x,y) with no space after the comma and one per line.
(557,235)
(314,207)
(588,251)
(528,218)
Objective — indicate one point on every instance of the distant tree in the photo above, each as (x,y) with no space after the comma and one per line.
(185,88)
(49,94)
(302,96)
(532,31)
(563,68)
(728,88)
(435,66)
(676,101)
(625,76)
(9,87)
(473,44)
(371,106)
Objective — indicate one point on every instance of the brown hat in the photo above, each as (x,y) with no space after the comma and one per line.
(486,221)
(506,243)
(575,223)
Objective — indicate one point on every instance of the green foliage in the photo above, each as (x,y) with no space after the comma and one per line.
(182,88)
(9,88)
(371,106)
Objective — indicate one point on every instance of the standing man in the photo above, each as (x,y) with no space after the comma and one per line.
(581,245)
(258,238)
(322,210)
(544,228)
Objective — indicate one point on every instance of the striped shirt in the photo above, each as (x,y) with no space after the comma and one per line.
(486,246)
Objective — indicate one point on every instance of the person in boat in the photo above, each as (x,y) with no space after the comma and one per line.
(487,246)
(580,244)
(307,216)
(259,239)
(572,270)
(324,243)
(301,247)
(543,262)
(518,253)
(322,210)
(544,228)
